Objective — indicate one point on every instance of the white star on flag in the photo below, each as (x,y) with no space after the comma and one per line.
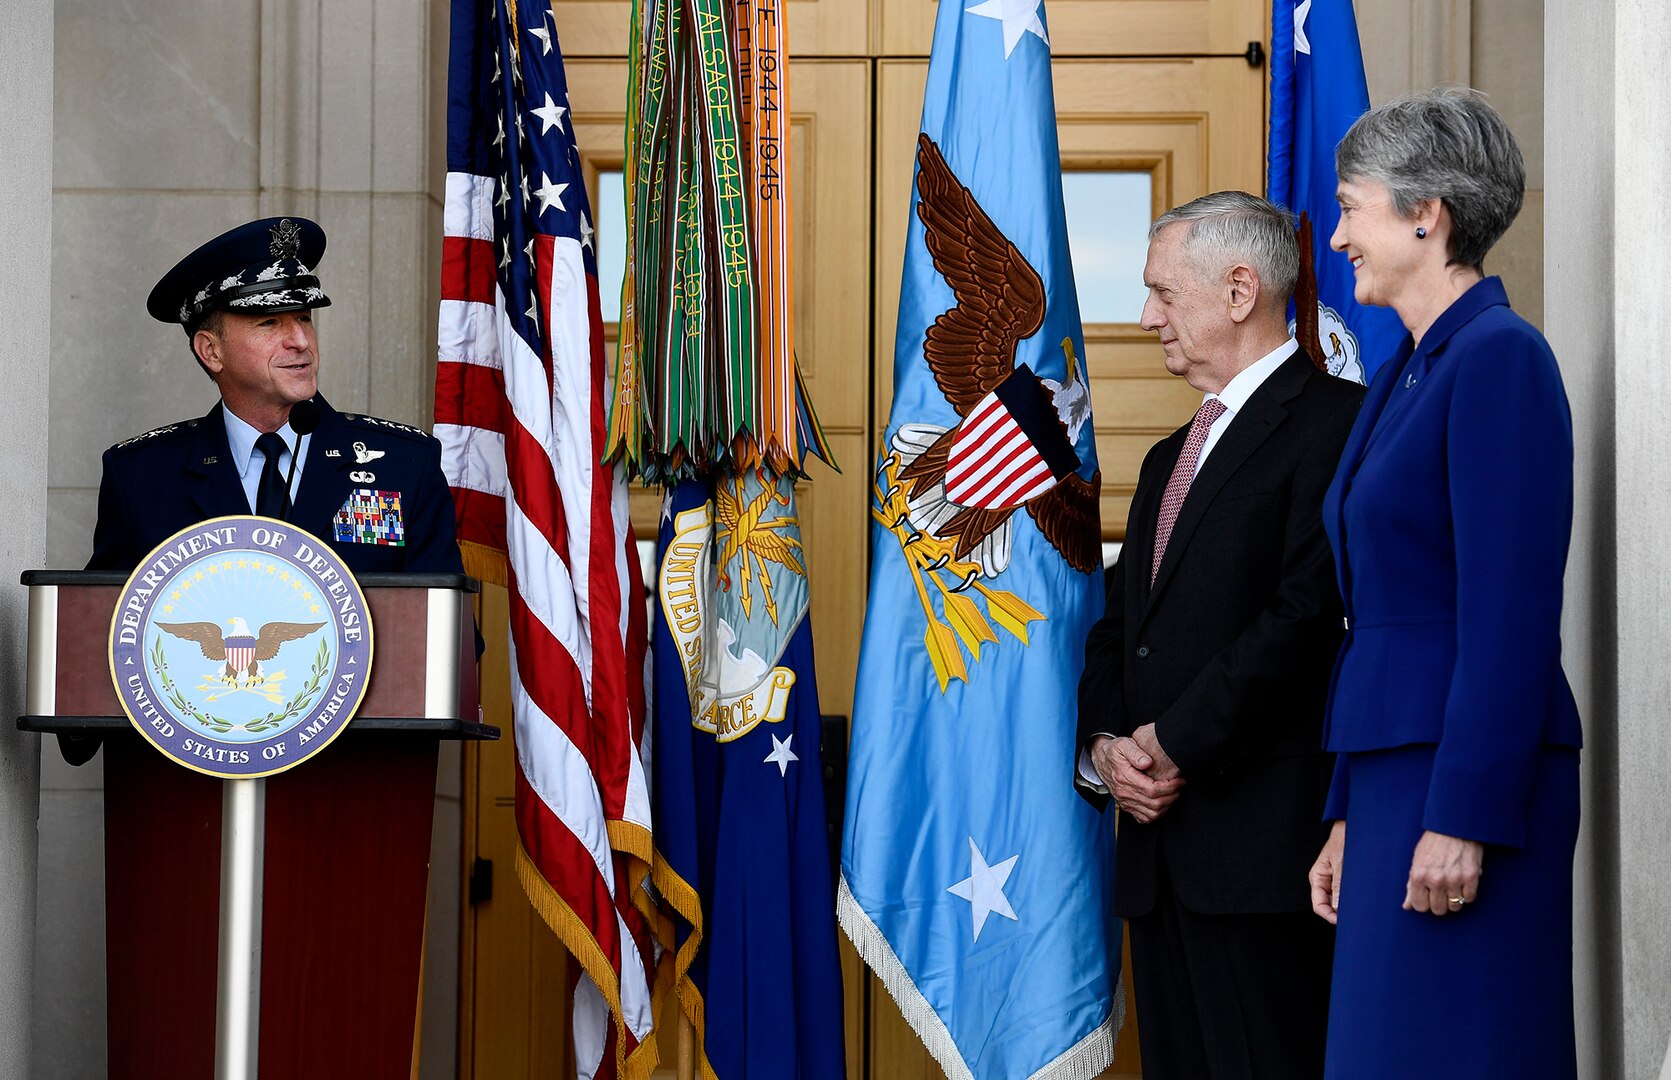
(984,888)
(586,232)
(1302,44)
(1018,16)
(550,114)
(781,755)
(550,194)
(545,38)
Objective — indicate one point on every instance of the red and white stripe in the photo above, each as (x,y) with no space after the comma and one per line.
(239,657)
(522,432)
(992,463)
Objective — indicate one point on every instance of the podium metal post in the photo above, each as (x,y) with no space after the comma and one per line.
(238,982)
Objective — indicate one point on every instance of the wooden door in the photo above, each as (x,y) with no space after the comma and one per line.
(1141,98)
(514,1012)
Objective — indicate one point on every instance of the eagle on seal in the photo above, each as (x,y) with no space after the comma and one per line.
(1014,445)
(243,651)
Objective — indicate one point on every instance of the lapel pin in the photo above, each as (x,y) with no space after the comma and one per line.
(362,477)
(362,456)
(1410,381)
(333,453)
(211,459)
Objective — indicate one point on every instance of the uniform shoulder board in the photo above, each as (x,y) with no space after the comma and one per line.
(155,433)
(384,425)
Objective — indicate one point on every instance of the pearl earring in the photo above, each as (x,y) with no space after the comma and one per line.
(1421,233)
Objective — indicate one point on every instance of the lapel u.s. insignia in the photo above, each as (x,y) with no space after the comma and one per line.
(370,516)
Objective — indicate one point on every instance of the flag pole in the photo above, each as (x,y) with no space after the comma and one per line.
(687,1048)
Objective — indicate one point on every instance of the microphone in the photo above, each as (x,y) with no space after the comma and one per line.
(304,417)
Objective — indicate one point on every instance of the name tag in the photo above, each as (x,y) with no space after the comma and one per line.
(371,517)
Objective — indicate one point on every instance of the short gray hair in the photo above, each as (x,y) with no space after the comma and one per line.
(1446,144)
(1228,227)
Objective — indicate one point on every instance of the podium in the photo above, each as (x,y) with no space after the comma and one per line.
(343,855)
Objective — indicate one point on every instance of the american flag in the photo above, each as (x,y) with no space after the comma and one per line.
(519,409)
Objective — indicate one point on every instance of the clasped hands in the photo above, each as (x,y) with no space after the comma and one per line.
(1142,779)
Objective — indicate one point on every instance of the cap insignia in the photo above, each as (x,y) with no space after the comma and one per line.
(287,240)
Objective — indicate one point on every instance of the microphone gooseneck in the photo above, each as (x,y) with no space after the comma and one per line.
(304,417)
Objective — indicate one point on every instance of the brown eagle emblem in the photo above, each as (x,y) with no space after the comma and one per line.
(241,651)
(1013,445)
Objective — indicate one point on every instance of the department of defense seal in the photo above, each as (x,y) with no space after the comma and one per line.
(241,646)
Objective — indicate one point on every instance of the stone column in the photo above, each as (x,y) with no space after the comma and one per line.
(25,297)
(1607,235)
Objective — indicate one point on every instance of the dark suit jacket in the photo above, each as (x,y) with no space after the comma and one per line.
(1229,654)
(161,482)
(1451,513)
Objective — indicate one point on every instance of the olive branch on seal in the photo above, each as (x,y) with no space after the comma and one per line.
(178,700)
(316,676)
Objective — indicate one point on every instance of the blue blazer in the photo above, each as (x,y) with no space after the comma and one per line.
(1450,517)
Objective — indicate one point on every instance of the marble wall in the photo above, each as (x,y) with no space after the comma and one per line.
(25,297)
(1495,46)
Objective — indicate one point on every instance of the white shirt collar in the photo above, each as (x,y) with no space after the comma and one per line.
(1239,389)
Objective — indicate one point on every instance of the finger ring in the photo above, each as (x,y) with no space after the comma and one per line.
(1457,901)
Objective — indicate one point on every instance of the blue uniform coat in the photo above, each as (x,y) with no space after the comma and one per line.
(165,480)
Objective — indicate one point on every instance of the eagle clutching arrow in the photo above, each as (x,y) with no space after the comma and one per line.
(1014,445)
(243,651)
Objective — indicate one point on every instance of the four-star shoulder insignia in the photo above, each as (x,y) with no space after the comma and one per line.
(166,429)
(389,425)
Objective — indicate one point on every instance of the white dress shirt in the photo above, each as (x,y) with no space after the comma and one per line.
(240,437)
(1237,391)
(1232,397)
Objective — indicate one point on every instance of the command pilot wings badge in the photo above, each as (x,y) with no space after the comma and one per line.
(949,494)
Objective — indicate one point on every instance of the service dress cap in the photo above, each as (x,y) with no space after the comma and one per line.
(264,266)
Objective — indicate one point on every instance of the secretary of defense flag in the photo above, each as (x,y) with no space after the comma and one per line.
(973,880)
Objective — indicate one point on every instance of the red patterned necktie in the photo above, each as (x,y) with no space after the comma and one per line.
(1182,474)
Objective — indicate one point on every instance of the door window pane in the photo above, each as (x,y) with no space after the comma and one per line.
(1108,236)
(611,241)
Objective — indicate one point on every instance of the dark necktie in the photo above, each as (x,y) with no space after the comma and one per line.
(1183,474)
(272,495)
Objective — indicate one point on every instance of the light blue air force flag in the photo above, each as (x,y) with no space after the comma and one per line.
(974,881)
(1317,91)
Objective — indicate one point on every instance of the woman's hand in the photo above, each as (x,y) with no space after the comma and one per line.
(1325,875)
(1444,875)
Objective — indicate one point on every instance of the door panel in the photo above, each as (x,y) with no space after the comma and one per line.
(597,28)
(1188,125)
(1099,27)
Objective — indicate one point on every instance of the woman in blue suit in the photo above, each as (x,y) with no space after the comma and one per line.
(1448,870)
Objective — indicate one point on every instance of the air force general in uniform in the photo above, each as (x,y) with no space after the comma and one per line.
(373,489)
